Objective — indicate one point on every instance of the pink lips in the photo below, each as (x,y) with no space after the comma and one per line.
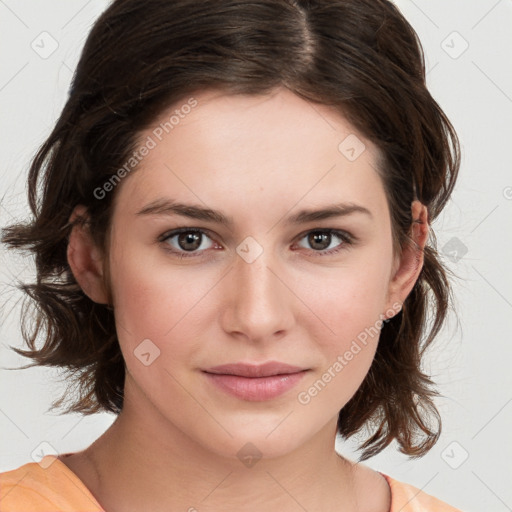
(255,382)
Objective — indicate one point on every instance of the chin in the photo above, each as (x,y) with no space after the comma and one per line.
(267,440)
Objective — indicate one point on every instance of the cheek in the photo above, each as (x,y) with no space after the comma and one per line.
(154,303)
(350,312)
(347,300)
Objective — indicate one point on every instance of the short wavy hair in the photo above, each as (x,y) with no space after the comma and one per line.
(143,56)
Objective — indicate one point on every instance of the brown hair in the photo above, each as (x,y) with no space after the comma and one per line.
(360,56)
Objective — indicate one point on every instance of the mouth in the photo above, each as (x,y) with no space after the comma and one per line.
(268,369)
(255,382)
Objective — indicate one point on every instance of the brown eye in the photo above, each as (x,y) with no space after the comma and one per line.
(320,240)
(186,240)
(189,241)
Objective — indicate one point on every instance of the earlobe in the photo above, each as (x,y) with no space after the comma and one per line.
(85,259)
(411,259)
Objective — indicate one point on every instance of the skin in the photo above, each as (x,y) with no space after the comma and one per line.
(174,446)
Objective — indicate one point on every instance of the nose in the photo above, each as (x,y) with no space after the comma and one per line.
(258,305)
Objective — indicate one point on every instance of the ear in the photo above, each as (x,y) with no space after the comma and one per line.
(85,258)
(408,266)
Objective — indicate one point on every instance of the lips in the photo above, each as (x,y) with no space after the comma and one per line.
(255,370)
(255,382)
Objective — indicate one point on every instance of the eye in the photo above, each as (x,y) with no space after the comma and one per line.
(191,242)
(321,239)
(187,240)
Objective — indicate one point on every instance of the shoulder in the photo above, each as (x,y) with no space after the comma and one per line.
(372,490)
(407,498)
(42,486)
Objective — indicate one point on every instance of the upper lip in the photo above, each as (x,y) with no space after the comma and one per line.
(255,370)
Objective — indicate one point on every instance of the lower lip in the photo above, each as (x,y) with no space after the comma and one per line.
(255,389)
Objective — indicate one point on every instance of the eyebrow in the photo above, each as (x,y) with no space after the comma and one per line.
(165,206)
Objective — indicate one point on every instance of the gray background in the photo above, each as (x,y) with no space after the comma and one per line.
(468,53)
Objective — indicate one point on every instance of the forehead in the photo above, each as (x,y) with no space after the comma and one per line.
(279,147)
(218,118)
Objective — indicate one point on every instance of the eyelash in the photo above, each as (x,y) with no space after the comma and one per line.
(347,240)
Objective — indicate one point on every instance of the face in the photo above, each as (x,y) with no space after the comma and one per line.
(268,283)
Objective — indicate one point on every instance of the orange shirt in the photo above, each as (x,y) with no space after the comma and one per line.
(50,486)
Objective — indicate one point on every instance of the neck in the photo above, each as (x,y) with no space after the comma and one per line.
(143,461)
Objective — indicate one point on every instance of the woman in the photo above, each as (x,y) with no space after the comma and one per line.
(233,255)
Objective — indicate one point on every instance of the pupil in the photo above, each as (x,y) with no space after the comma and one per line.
(319,238)
(189,238)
